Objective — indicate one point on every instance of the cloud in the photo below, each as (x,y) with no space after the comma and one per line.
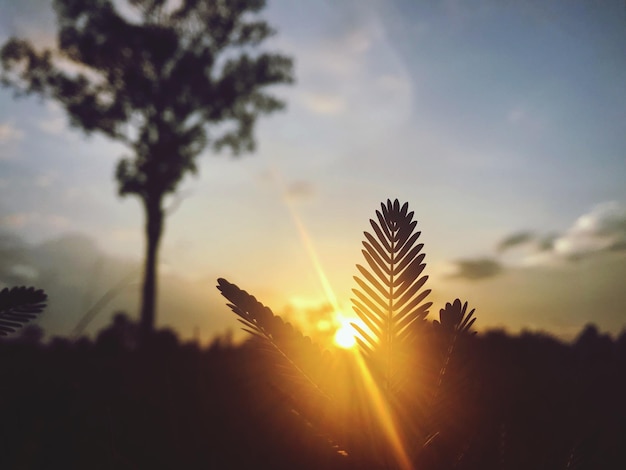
(35,220)
(601,230)
(323,103)
(14,220)
(53,126)
(33,19)
(25,272)
(525,117)
(318,318)
(514,240)
(476,269)
(299,190)
(516,115)
(394,84)
(126,235)
(46,179)
(530,248)
(545,243)
(9,133)
(55,122)
(348,70)
(294,190)
(608,218)
(359,40)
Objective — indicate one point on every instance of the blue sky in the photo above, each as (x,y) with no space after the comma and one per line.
(491,118)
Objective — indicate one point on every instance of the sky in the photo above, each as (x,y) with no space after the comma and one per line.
(501,123)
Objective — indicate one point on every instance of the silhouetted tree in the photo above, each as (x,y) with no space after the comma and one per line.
(155,77)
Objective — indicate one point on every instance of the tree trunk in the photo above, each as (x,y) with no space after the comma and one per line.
(154,229)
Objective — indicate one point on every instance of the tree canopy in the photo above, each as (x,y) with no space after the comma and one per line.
(155,85)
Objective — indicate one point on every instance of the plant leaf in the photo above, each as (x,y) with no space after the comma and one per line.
(19,305)
(455,319)
(306,368)
(296,351)
(390,295)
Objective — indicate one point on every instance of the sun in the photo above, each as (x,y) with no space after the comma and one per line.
(344,336)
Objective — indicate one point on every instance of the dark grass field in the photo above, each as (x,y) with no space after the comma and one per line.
(538,404)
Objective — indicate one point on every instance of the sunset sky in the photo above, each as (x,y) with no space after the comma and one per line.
(502,123)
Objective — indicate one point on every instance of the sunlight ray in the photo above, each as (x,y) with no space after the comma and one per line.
(377,401)
(307,242)
(383,414)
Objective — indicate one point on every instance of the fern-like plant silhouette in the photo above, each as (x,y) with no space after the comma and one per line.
(390,296)
(299,358)
(19,305)
(404,359)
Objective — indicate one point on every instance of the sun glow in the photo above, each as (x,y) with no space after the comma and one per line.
(344,336)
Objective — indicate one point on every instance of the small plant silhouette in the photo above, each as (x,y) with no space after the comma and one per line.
(397,402)
(19,305)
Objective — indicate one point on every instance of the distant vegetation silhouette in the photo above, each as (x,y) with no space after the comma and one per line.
(155,81)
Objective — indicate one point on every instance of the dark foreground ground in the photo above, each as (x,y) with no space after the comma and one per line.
(108,405)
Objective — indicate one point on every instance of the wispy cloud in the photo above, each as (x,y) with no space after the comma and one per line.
(126,235)
(353,72)
(10,136)
(292,189)
(602,230)
(31,19)
(55,122)
(514,240)
(475,269)
(299,190)
(24,272)
(14,221)
(527,117)
(23,220)
(323,103)
(10,133)
(46,180)
(53,126)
